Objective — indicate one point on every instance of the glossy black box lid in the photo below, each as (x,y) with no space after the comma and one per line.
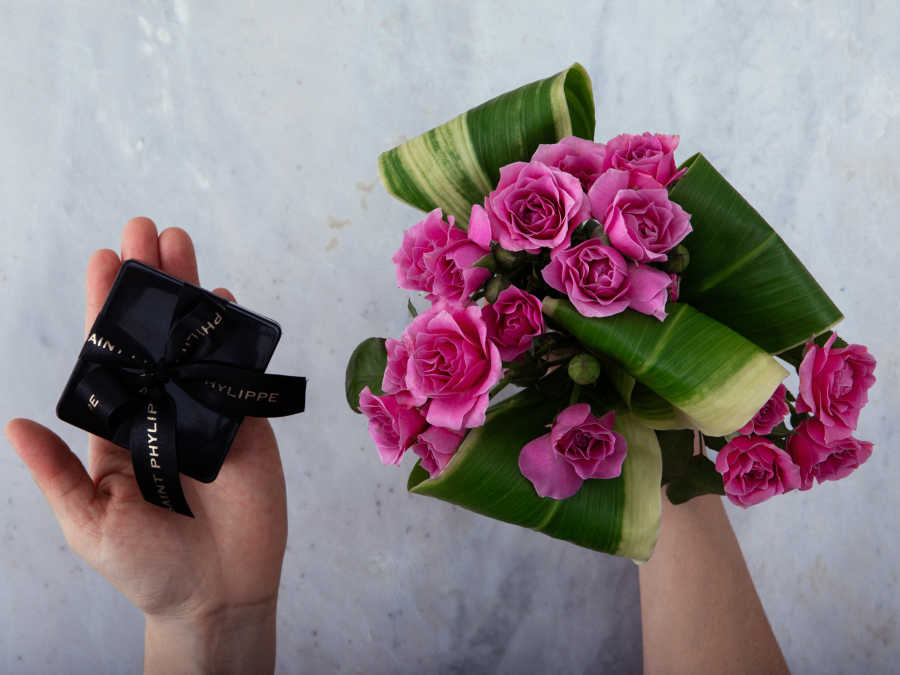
(141,302)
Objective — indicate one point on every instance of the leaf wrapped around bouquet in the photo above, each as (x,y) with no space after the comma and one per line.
(637,305)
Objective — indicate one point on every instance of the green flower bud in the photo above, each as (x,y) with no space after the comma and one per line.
(679,259)
(584,369)
(493,288)
(506,259)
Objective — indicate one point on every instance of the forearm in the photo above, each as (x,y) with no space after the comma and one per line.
(700,611)
(232,641)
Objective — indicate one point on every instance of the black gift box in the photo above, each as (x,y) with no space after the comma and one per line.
(142,355)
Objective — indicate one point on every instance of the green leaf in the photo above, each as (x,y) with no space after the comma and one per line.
(700,478)
(456,164)
(365,369)
(412,309)
(619,515)
(677,449)
(718,379)
(741,272)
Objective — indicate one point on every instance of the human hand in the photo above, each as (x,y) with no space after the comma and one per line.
(202,582)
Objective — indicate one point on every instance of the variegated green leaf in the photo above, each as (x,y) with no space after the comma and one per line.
(713,375)
(619,515)
(456,164)
(741,272)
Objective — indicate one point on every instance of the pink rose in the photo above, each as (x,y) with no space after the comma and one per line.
(454,277)
(823,461)
(834,385)
(599,281)
(436,446)
(579,446)
(535,206)
(769,416)
(643,224)
(391,425)
(754,469)
(652,154)
(413,271)
(513,321)
(452,364)
(576,156)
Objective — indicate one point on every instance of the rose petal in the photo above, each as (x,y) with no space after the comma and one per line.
(551,475)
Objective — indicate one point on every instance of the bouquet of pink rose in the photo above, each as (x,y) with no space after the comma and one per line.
(637,306)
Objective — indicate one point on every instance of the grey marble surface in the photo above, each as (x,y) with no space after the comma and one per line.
(256,127)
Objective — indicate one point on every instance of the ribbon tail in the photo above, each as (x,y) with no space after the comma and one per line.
(238,391)
(155,457)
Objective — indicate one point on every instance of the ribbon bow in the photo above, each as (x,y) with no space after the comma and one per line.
(127,389)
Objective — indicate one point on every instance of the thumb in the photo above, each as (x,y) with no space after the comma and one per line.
(58,473)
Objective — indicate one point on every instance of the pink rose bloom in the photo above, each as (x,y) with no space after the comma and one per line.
(820,460)
(834,385)
(754,469)
(391,425)
(769,416)
(394,380)
(599,281)
(652,154)
(576,156)
(451,265)
(535,206)
(643,224)
(413,271)
(513,321)
(579,446)
(453,364)
(436,446)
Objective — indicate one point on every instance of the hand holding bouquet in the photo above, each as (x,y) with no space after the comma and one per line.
(637,306)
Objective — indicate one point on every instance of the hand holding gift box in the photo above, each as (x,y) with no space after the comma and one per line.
(195,579)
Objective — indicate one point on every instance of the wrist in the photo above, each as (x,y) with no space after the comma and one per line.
(227,640)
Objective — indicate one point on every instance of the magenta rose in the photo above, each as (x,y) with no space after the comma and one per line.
(451,265)
(535,206)
(652,154)
(392,426)
(834,385)
(754,469)
(599,281)
(823,461)
(643,224)
(436,446)
(414,273)
(579,446)
(513,320)
(769,416)
(576,156)
(453,364)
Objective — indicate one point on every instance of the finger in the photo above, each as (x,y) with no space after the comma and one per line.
(176,253)
(57,472)
(224,293)
(101,272)
(105,458)
(139,241)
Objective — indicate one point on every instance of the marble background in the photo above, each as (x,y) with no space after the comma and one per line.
(256,127)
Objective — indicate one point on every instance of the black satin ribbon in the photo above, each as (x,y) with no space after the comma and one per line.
(127,389)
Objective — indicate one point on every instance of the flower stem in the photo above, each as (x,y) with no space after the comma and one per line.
(576,392)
